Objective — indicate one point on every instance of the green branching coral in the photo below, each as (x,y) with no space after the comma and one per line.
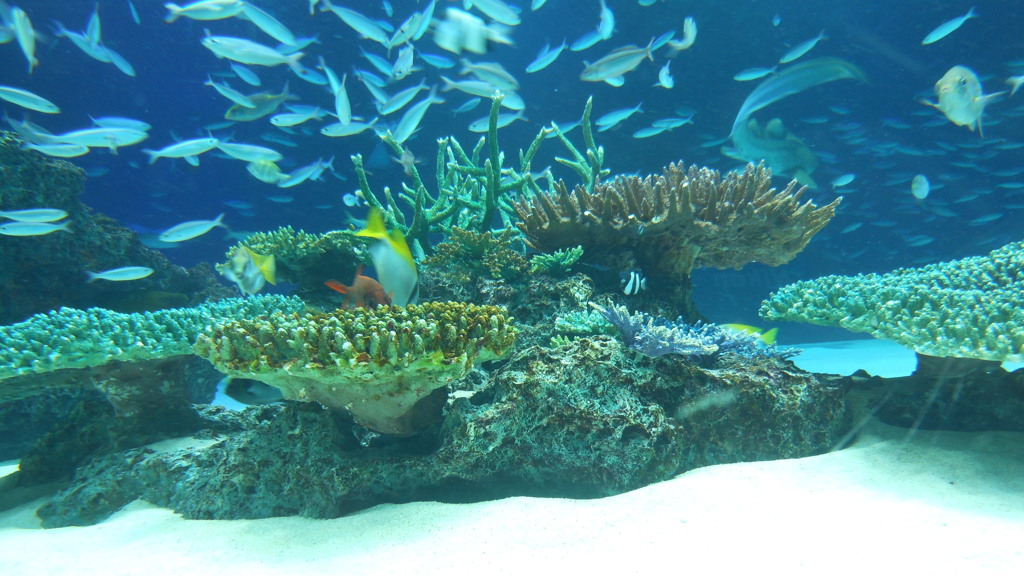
(374,363)
(70,338)
(469,255)
(558,264)
(969,308)
(473,189)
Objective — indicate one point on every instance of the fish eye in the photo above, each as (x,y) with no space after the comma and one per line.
(963,82)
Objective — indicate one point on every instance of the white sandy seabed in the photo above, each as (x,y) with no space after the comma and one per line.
(938,503)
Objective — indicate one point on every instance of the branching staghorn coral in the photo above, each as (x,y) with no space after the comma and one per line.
(473,189)
(968,308)
(376,363)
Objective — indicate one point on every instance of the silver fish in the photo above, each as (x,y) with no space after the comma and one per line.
(190,230)
(122,274)
(27,99)
(961,98)
(616,63)
(947,28)
(32,228)
(35,215)
(795,79)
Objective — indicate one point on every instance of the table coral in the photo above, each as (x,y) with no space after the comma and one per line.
(374,363)
(672,223)
(968,308)
(71,338)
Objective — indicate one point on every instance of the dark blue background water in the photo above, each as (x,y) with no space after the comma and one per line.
(877,131)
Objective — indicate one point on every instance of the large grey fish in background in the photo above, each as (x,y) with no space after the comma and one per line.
(780,149)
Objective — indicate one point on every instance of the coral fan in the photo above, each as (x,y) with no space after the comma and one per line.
(374,363)
(968,308)
(670,224)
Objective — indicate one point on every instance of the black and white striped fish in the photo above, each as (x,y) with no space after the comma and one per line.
(633,283)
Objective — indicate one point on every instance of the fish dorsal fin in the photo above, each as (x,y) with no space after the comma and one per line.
(375,228)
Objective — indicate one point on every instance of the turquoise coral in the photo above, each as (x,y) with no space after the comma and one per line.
(71,338)
(968,308)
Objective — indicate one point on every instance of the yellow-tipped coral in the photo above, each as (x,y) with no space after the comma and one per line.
(374,363)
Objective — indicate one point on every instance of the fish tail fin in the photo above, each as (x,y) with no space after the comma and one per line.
(769,336)
(92,277)
(337,286)
(174,11)
(152,155)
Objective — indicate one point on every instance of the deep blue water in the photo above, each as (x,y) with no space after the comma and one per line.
(878,130)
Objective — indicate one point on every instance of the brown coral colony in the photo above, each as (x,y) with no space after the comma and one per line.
(676,221)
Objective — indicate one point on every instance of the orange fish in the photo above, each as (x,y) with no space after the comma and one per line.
(365,292)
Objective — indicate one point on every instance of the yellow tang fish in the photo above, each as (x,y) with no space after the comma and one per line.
(961,98)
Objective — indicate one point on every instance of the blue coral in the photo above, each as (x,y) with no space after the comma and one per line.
(652,336)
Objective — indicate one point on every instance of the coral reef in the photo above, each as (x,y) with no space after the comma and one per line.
(70,338)
(655,337)
(968,308)
(42,273)
(468,256)
(558,264)
(137,403)
(667,225)
(309,259)
(584,420)
(374,363)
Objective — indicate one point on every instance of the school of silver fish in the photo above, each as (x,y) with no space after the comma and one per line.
(411,64)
